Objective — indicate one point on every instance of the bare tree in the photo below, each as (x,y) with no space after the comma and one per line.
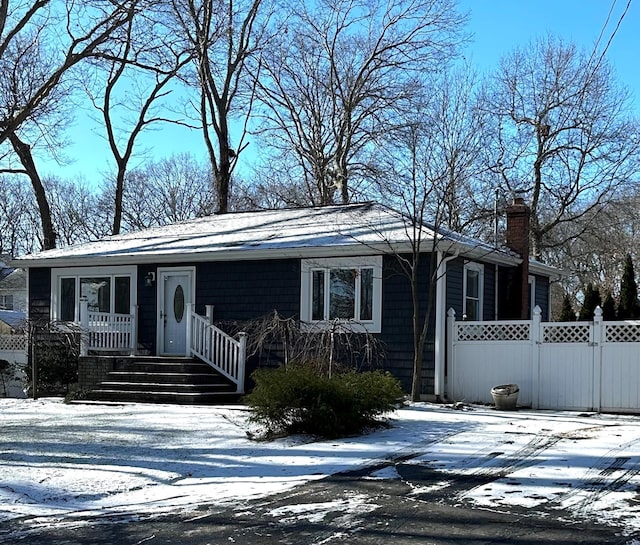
(17,232)
(75,211)
(450,124)
(561,134)
(144,64)
(40,43)
(417,186)
(222,36)
(600,241)
(168,191)
(338,78)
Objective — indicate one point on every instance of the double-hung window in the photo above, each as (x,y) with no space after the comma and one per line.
(473,289)
(109,292)
(344,290)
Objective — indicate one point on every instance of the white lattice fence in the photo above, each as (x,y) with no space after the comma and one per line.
(566,333)
(12,343)
(493,331)
(568,365)
(622,332)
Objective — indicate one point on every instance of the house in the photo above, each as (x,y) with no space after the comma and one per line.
(13,299)
(153,292)
(13,287)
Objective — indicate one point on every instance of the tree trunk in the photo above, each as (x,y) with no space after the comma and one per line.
(416,381)
(23,151)
(223,181)
(117,205)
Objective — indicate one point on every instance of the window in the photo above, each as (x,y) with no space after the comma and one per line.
(347,290)
(6,302)
(472,289)
(110,293)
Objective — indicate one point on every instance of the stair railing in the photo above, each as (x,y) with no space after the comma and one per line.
(224,353)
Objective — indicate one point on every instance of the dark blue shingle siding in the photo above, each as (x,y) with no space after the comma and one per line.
(39,294)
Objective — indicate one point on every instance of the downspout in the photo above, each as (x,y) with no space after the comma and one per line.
(441,321)
(495,291)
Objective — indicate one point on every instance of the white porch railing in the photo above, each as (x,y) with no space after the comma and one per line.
(111,332)
(221,351)
(107,331)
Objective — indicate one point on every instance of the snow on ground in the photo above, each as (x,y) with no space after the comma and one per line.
(62,461)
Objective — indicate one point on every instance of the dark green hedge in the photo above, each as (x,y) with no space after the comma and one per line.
(300,399)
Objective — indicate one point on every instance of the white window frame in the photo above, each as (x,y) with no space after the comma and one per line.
(326,264)
(88,272)
(4,298)
(479,268)
(532,295)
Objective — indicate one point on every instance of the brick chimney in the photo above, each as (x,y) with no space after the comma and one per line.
(517,235)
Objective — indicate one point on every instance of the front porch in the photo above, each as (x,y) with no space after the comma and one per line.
(109,340)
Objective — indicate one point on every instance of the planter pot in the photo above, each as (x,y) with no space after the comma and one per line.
(505,396)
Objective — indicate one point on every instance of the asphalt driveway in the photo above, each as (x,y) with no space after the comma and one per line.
(134,474)
(393,515)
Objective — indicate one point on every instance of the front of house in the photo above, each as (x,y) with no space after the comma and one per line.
(157,291)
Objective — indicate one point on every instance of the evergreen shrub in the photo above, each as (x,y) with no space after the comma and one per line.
(301,399)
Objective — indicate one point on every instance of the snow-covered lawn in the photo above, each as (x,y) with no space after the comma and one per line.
(60,460)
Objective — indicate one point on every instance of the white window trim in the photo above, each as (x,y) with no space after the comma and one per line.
(532,295)
(479,267)
(87,272)
(366,262)
(4,297)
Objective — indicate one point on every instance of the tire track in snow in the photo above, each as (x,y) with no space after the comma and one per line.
(610,473)
(437,485)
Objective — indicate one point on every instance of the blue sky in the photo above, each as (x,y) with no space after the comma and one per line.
(497,26)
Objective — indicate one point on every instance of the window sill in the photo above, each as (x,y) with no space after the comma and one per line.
(342,326)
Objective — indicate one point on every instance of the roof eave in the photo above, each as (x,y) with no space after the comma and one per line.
(486,254)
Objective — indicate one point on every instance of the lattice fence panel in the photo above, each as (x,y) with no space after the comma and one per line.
(13,342)
(493,331)
(575,333)
(622,333)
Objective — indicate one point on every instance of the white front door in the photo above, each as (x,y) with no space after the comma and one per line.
(175,288)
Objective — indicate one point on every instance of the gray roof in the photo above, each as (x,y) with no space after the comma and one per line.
(15,279)
(357,229)
(15,319)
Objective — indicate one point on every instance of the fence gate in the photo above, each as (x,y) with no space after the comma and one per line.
(566,366)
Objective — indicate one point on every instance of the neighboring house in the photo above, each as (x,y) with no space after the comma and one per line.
(13,345)
(13,288)
(316,264)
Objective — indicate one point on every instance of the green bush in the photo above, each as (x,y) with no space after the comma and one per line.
(299,399)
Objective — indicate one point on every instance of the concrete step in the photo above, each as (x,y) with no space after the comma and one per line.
(165,387)
(179,398)
(164,380)
(167,378)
